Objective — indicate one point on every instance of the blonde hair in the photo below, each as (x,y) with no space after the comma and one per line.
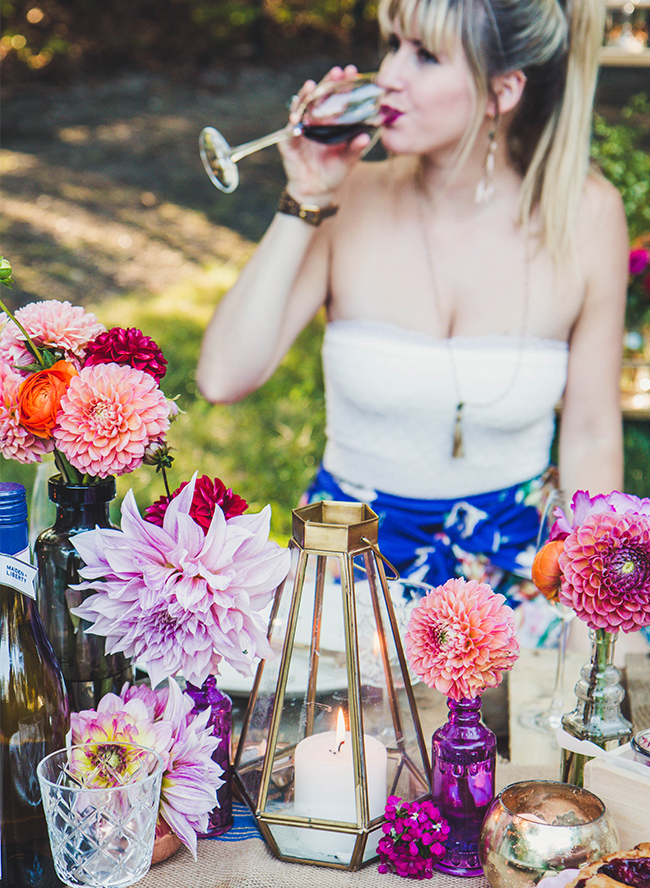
(556,44)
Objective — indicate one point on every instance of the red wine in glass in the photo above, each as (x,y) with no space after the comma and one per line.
(336,111)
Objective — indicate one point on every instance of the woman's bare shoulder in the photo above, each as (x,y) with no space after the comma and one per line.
(378,180)
(602,205)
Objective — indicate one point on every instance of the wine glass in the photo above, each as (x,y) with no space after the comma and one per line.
(548,720)
(336,111)
(101,805)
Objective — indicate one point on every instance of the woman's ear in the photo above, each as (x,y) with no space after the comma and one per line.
(507,90)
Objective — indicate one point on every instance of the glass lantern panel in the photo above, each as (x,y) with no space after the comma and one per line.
(322,845)
(331,734)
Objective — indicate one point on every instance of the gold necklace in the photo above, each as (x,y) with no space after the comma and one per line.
(458,449)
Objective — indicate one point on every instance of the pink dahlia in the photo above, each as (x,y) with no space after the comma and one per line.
(108,416)
(461,638)
(161,720)
(178,599)
(54,325)
(15,441)
(208,493)
(131,347)
(605,568)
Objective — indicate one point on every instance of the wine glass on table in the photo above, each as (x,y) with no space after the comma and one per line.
(335,111)
(548,719)
(101,804)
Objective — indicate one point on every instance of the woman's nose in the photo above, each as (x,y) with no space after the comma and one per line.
(391,72)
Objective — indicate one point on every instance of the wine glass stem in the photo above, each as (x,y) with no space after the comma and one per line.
(557,702)
(251,147)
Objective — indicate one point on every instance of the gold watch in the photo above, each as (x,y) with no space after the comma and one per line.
(309,213)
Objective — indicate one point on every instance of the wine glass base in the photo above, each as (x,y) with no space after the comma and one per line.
(547,721)
(215,154)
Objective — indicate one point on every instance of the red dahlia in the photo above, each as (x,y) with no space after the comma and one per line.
(208,493)
(131,347)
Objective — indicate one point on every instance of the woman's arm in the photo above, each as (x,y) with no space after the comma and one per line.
(591,446)
(287,280)
(277,293)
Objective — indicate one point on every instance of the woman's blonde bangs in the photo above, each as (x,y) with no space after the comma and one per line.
(435,24)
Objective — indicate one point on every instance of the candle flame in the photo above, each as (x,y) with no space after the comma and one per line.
(340,729)
(376,649)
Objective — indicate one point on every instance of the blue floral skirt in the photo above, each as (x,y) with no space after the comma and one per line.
(490,537)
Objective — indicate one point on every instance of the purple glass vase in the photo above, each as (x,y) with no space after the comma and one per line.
(462,782)
(209,695)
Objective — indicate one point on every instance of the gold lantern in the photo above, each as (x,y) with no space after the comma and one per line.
(331,728)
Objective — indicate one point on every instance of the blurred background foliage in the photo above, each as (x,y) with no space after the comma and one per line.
(54,38)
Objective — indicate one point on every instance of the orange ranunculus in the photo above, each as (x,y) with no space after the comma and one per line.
(40,395)
(546,569)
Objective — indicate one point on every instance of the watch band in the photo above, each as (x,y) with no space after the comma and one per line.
(309,213)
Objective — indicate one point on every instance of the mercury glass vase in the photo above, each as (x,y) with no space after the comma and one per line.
(597,716)
(88,671)
(462,782)
(209,695)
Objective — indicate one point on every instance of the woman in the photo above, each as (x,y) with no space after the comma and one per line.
(470,280)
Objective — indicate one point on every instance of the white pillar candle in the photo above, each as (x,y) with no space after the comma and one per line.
(324,782)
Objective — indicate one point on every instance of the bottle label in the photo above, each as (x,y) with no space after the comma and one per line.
(18,575)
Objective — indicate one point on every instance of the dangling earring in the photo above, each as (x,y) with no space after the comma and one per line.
(485,188)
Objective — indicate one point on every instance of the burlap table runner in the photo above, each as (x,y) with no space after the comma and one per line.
(249,864)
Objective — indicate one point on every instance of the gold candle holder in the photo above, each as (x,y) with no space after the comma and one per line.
(331,729)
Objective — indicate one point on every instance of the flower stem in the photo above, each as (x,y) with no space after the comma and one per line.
(165,481)
(68,472)
(30,345)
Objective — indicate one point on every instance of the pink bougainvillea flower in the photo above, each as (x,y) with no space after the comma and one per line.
(605,568)
(179,599)
(160,720)
(15,441)
(127,346)
(461,638)
(639,259)
(413,838)
(52,325)
(107,417)
(208,493)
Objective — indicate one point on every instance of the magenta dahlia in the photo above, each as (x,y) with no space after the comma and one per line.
(605,568)
(208,493)
(130,347)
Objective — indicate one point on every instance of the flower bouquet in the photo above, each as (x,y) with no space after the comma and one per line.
(181,590)
(598,564)
(461,638)
(92,397)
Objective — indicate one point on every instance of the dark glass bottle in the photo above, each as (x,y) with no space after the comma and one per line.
(34,711)
(89,672)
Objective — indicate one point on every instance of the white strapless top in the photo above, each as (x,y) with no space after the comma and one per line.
(391,397)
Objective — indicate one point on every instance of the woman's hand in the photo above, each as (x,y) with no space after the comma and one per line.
(316,171)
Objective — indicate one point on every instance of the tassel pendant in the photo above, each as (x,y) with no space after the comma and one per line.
(458,450)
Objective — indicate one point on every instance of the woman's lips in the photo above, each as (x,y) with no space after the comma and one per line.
(389,115)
